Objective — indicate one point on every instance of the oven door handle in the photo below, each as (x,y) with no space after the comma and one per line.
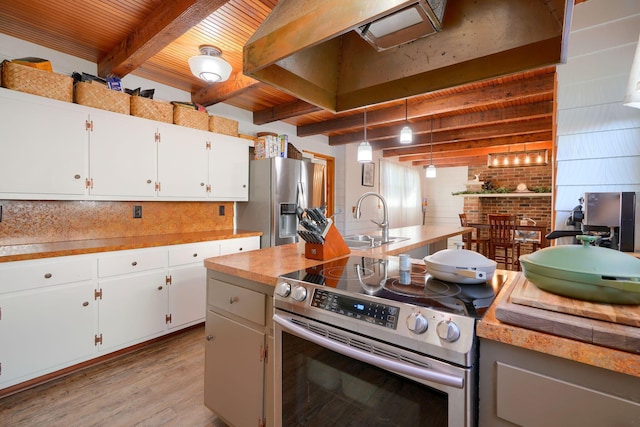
(363,356)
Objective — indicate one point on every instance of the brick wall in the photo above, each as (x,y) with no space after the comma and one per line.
(536,208)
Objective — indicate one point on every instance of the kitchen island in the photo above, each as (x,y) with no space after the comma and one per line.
(529,377)
(257,271)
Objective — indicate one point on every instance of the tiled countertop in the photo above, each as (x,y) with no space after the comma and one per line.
(77,247)
(614,360)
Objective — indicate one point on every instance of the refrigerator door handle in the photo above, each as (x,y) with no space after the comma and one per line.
(300,194)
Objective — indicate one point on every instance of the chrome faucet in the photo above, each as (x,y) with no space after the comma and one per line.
(385,220)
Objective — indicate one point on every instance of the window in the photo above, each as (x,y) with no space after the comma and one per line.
(400,186)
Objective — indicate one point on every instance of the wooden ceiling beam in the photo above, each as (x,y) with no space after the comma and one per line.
(237,84)
(467,120)
(478,151)
(469,135)
(479,143)
(283,112)
(163,26)
(469,97)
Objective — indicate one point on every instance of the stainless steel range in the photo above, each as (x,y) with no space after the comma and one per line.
(360,341)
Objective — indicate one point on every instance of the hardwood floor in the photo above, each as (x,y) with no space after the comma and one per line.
(161,385)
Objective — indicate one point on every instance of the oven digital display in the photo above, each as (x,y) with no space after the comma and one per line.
(378,314)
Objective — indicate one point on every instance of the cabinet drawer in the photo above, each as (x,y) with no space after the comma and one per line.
(22,275)
(242,302)
(242,244)
(131,262)
(189,254)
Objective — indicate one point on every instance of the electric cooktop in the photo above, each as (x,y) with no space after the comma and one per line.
(382,278)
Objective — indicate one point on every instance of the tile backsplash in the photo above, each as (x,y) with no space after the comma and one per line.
(29,221)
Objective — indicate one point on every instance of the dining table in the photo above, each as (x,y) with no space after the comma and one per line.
(542,228)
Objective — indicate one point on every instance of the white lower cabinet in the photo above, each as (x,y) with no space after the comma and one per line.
(187,282)
(47,317)
(236,354)
(58,312)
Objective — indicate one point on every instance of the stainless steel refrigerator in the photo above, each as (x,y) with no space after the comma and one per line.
(277,187)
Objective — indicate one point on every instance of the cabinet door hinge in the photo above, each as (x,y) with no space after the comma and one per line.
(158,186)
(97,294)
(88,125)
(97,340)
(157,135)
(208,145)
(264,353)
(167,280)
(167,318)
(88,183)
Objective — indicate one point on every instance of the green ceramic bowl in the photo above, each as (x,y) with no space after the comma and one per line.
(585,272)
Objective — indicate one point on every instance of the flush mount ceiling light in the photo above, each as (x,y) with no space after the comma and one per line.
(209,65)
(406,136)
(431,169)
(365,152)
(632,97)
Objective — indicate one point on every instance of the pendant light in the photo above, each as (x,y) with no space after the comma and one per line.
(365,152)
(431,169)
(406,136)
(209,65)
(632,97)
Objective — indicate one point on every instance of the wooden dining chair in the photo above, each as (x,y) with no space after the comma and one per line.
(482,243)
(503,248)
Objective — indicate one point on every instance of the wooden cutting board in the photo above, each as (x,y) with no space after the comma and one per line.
(526,293)
(614,326)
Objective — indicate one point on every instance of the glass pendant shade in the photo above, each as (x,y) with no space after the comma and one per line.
(209,65)
(431,169)
(365,152)
(406,135)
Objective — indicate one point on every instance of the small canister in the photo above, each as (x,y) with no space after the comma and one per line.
(405,269)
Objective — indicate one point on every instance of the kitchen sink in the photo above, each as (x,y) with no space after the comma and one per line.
(366,241)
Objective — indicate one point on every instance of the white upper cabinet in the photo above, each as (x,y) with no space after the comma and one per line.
(43,148)
(229,168)
(182,162)
(122,155)
(56,150)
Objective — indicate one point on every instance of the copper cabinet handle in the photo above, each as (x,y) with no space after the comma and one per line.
(233,299)
(195,255)
(134,263)
(85,304)
(209,337)
(48,276)
(159,288)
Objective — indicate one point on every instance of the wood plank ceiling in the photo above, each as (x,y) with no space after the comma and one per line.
(155,38)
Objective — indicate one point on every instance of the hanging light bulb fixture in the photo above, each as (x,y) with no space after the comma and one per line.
(406,136)
(431,169)
(365,152)
(209,65)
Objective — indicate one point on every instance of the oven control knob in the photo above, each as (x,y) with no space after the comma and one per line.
(299,293)
(448,331)
(417,323)
(283,289)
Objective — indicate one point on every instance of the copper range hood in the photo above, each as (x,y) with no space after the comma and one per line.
(341,55)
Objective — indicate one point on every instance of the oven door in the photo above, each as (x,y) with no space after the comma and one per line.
(330,376)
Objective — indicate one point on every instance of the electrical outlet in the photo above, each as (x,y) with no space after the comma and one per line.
(137,211)
(221,210)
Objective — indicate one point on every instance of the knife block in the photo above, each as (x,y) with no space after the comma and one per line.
(334,246)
